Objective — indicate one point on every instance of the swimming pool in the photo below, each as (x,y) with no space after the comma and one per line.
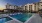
(5,19)
(22,17)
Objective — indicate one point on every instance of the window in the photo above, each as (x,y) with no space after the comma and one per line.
(25,7)
(30,7)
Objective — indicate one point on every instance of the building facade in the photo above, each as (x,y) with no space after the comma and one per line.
(40,4)
(9,6)
(33,6)
(30,7)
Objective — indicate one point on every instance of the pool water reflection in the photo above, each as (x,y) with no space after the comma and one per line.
(5,19)
(22,17)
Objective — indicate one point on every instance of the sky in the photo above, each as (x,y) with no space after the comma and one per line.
(15,2)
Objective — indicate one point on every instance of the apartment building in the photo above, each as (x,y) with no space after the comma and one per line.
(30,7)
(9,6)
(40,4)
(33,6)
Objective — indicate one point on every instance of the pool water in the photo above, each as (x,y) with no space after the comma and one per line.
(5,19)
(22,17)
